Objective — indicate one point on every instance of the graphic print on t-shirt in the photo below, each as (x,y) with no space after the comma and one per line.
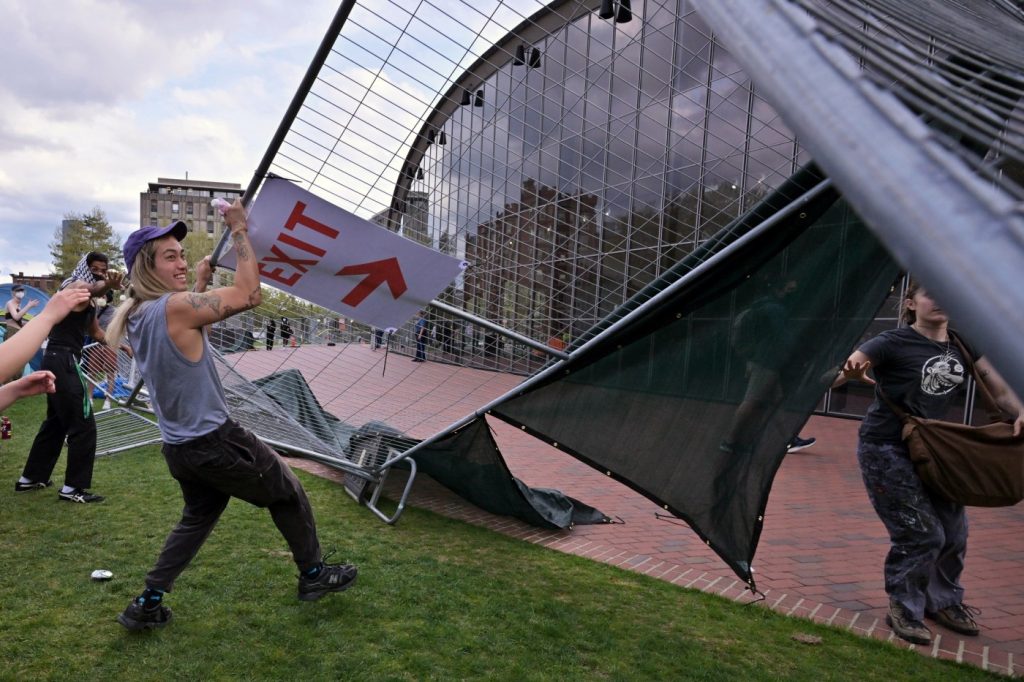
(941,374)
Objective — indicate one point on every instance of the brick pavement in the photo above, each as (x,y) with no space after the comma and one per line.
(821,550)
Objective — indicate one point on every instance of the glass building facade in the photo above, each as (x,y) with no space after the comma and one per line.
(578,168)
(569,154)
(591,160)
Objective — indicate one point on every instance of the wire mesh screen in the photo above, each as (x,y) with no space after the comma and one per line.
(334,376)
(121,429)
(111,377)
(570,157)
(569,154)
(913,109)
(966,84)
(572,153)
(109,371)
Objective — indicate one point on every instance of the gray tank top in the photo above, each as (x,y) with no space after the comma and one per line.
(187,396)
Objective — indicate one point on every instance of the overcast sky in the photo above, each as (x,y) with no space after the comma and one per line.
(100,97)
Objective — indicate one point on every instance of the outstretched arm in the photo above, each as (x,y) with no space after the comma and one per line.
(195,310)
(15,352)
(17,312)
(33,384)
(855,369)
(112,280)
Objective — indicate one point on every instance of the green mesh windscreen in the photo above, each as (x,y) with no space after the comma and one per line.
(467,461)
(693,404)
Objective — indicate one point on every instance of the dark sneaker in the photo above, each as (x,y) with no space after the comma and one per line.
(80,496)
(958,618)
(136,617)
(20,487)
(799,443)
(332,578)
(905,626)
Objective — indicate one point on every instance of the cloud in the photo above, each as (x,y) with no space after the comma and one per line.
(87,52)
(107,96)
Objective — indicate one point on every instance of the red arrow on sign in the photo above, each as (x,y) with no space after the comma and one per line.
(377,272)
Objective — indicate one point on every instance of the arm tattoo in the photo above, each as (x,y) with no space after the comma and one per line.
(200,301)
(241,247)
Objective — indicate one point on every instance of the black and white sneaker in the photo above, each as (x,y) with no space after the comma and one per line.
(80,496)
(136,617)
(20,487)
(799,443)
(332,578)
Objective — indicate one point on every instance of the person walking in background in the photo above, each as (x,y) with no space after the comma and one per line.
(14,353)
(762,338)
(378,338)
(798,443)
(211,456)
(421,337)
(271,330)
(69,413)
(286,332)
(921,369)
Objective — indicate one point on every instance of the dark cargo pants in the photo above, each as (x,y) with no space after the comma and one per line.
(232,462)
(928,534)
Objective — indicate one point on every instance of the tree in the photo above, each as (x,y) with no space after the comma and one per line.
(197,246)
(80,234)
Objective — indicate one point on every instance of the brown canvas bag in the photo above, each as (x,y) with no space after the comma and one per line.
(978,466)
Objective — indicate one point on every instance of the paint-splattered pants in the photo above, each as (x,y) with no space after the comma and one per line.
(928,534)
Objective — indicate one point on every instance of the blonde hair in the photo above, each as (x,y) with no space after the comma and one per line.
(143,285)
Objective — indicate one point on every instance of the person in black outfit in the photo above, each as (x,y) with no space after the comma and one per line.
(69,410)
(762,340)
(271,330)
(286,332)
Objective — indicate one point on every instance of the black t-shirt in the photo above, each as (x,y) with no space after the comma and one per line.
(920,375)
(70,332)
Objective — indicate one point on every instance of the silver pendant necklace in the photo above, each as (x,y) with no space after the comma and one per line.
(947,356)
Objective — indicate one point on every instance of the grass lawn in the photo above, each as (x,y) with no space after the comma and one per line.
(436,599)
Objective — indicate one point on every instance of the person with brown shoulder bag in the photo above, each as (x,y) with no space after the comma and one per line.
(919,369)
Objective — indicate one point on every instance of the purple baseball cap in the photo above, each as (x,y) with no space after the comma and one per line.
(136,239)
